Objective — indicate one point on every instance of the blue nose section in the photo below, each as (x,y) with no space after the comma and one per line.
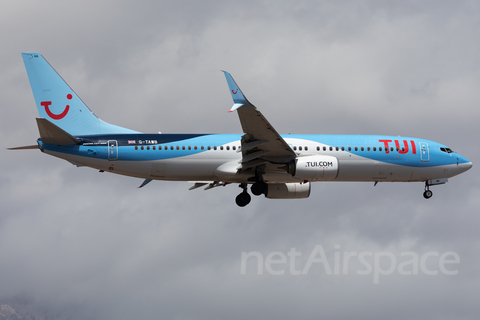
(463,163)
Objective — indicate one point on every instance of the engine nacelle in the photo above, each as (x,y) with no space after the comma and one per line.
(314,168)
(288,190)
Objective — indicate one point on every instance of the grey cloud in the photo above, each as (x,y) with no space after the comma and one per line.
(95,245)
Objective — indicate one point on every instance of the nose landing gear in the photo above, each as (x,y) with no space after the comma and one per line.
(427,194)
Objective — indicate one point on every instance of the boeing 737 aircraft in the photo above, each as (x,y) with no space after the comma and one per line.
(278,166)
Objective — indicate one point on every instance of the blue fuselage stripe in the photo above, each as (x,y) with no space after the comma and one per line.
(407,151)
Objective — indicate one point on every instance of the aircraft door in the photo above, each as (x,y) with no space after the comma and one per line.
(112,150)
(424,152)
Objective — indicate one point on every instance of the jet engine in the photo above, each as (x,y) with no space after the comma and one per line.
(314,168)
(288,190)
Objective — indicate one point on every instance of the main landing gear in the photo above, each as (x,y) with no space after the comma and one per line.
(428,193)
(243,198)
(259,188)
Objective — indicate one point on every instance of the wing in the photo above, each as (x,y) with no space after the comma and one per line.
(261,143)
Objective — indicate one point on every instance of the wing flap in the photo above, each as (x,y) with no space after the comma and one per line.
(250,145)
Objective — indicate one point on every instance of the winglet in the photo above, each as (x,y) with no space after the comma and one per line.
(238,97)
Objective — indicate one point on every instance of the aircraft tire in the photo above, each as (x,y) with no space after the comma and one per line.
(259,188)
(427,194)
(243,199)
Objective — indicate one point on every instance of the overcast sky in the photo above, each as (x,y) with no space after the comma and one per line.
(95,245)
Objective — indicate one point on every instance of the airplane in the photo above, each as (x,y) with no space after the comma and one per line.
(279,166)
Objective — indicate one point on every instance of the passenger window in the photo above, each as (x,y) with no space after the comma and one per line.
(324,148)
(294,148)
(154,148)
(368,148)
(374,148)
(209,148)
(214,147)
(234,148)
(343,149)
(336,148)
(195,147)
(189,147)
(331,148)
(349,148)
(228,148)
(362,149)
(379,148)
(221,147)
(148,147)
(171,147)
(391,149)
(178,147)
(136,147)
(318,148)
(299,148)
(203,148)
(306,148)
(141,147)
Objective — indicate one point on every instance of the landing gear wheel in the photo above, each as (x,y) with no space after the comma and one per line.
(259,188)
(427,194)
(243,199)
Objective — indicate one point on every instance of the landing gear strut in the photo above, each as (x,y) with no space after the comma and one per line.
(243,198)
(428,193)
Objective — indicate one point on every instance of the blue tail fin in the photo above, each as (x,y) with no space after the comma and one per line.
(59,104)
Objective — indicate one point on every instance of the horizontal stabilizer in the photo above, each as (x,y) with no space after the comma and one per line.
(51,134)
(35,146)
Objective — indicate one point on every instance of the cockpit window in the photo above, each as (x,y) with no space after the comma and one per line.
(446,150)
